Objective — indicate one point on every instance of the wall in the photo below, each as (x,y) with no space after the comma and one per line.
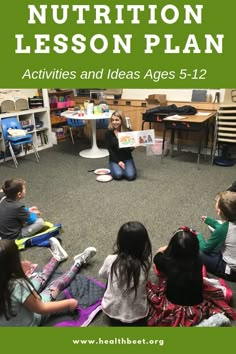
(29,92)
(26,92)
(171,94)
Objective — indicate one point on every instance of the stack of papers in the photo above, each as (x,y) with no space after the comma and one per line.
(175,117)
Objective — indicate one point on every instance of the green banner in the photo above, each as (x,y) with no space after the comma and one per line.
(117,44)
(118,340)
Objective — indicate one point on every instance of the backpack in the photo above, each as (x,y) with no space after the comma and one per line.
(41,239)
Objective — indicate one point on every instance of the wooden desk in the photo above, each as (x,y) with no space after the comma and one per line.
(198,123)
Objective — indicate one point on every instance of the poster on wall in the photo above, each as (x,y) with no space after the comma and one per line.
(123,44)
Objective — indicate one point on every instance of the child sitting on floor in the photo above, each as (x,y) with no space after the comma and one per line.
(26,302)
(126,271)
(182,297)
(218,253)
(17,221)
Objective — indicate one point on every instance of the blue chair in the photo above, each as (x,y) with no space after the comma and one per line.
(75,123)
(15,141)
(102,123)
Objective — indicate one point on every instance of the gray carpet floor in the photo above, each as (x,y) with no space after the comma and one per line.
(164,196)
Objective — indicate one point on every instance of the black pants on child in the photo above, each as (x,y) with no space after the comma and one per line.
(215,264)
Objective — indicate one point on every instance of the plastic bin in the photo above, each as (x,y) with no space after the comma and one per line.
(156,149)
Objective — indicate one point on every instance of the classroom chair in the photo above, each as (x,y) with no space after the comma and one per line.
(16,141)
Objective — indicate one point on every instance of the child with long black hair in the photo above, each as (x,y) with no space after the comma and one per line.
(183,297)
(181,263)
(25,302)
(125,299)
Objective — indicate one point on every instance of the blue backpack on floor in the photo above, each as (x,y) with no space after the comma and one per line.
(41,239)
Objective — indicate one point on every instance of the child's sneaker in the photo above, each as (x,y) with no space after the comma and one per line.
(57,250)
(85,256)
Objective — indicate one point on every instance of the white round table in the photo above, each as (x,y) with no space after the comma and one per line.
(95,152)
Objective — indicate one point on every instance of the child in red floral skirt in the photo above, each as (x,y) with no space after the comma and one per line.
(183,297)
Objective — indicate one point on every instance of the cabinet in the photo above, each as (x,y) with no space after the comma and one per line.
(135,108)
(37,122)
(132,109)
(59,101)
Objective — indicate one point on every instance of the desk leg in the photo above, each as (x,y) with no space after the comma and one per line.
(199,148)
(198,161)
(179,141)
(172,140)
(214,144)
(146,121)
(163,143)
(207,137)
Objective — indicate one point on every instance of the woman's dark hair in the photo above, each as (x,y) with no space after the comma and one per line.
(134,252)
(183,246)
(11,269)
